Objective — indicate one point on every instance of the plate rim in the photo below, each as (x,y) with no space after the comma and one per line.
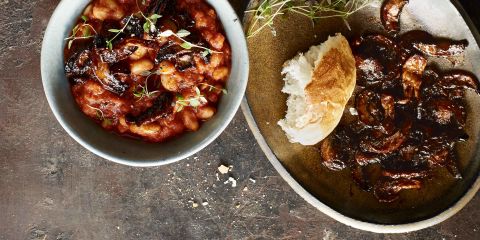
(352,222)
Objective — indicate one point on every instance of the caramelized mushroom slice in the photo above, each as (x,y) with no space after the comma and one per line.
(116,55)
(443,112)
(376,111)
(412,76)
(385,144)
(460,79)
(87,64)
(364,159)
(390,14)
(161,108)
(387,189)
(432,46)
(79,64)
(109,81)
(331,156)
(439,152)
(450,85)
(410,174)
(377,60)
(369,107)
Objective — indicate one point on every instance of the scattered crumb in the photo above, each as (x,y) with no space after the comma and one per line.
(245,189)
(194,204)
(232,180)
(252,180)
(353,111)
(237,205)
(204,203)
(216,175)
(223,169)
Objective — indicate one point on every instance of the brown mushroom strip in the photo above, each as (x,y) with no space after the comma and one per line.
(331,157)
(412,76)
(161,108)
(460,79)
(390,14)
(432,46)
(116,55)
(368,105)
(387,144)
(386,190)
(364,159)
(377,60)
(444,112)
(412,174)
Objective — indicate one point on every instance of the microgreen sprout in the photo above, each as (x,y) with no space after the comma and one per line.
(101,116)
(118,32)
(181,34)
(86,34)
(194,101)
(143,90)
(212,88)
(268,10)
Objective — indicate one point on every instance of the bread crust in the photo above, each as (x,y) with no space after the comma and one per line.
(317,101)
(332,85)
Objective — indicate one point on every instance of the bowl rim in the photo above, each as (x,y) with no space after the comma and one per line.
(218,5)
(352,222)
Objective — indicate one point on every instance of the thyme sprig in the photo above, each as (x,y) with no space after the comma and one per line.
(101,116)
(118,32)
(85,29)
(149,25)
(143,92)
(194,101)
(268,10)
(181,34)
(211,88)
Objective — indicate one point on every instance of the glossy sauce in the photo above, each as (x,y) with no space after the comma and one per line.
(146,82)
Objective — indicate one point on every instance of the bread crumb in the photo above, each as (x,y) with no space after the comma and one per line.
(223,169)
(232,180)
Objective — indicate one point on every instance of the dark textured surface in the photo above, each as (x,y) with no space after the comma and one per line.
(52,188)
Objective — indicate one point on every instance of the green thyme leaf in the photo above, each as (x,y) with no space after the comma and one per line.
(146,27)
(194,102)
(70,44)
(109,45)
(155,17)
(182,33)
(167,33)
(205,53)
(186,45)
(84,18)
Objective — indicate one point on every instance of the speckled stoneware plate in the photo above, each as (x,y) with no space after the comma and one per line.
(120,149)
(334,193)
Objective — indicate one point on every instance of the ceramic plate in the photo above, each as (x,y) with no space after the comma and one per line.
(334,193)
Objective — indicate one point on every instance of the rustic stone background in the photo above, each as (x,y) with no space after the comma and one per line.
(52,188)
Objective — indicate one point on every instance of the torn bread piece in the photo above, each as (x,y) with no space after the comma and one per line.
(320,83)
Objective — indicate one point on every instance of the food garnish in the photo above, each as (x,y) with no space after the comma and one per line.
(267,11)
(146,69)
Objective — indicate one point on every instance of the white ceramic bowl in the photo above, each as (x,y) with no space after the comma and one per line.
(120,149)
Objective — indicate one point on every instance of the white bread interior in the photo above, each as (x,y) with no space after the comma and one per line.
(320,83)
